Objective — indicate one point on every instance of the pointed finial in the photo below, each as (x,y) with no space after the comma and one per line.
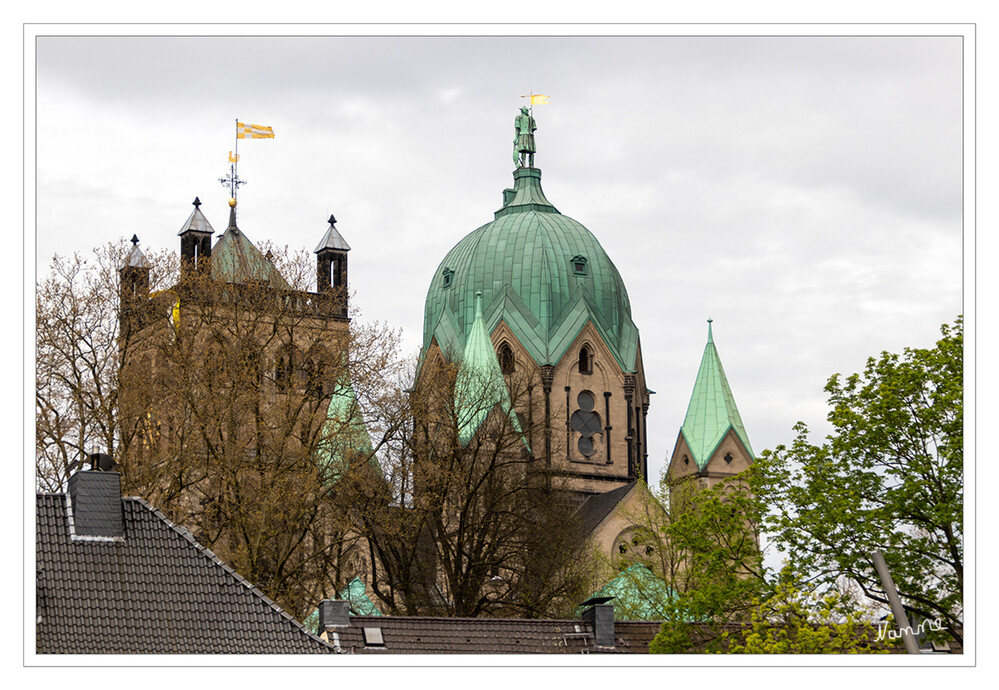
(196,202)
(478,303)
(135,240)
(710,337)
(332,220)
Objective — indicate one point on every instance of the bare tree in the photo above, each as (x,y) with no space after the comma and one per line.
(479,526)
(77,367)
(234,407)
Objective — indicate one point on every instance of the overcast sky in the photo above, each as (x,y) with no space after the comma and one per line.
(803,192)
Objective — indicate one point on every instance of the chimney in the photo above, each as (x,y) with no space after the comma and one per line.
(96,501)
(600,616)
(333,613)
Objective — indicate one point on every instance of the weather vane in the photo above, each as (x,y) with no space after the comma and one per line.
(243,131)
(232,180)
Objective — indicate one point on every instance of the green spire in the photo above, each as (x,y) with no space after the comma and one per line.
(712,410)
(480,385)
(236,260)
(346,436)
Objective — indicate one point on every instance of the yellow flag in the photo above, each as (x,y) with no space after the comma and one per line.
(538,99)
(244,131)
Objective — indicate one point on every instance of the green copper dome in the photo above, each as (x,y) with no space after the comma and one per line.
(541,272)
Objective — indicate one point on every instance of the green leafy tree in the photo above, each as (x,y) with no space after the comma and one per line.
(796,620)
(719,569)
(889,478)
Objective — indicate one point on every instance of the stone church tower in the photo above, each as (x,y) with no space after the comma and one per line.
(557,314)
(233,308)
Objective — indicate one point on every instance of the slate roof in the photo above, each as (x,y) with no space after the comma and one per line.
(155,591)
(424,635)
(135,258)
(597,507)
(196,222)
(332,240)
(420,635)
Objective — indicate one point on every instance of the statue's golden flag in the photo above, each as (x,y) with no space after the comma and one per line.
(244,131)
(537,98)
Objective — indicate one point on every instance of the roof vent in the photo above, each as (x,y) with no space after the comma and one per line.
(96,502)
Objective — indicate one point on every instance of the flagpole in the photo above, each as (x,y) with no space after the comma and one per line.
(235,163)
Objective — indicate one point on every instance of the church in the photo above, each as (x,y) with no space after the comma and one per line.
(527,313)
(532,296)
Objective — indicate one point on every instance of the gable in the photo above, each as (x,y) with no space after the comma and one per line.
(157,591)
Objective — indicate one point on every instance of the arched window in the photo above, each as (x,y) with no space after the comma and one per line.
(506,360)
(587,423)
(585,360)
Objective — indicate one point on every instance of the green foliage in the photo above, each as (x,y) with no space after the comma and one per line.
(793,620)
(889,478)
(722,571)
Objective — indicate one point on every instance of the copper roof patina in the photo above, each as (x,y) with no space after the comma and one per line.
(526,265)
(638,594)
(236,260)
(345,435)
(480,386)
(712,410)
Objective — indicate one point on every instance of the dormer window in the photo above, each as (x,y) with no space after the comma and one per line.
(728,458)
(579,265)
(585,360)
(446,276)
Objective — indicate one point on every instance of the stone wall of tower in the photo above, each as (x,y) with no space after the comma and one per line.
(729,459)
(612,440)
(178,340)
